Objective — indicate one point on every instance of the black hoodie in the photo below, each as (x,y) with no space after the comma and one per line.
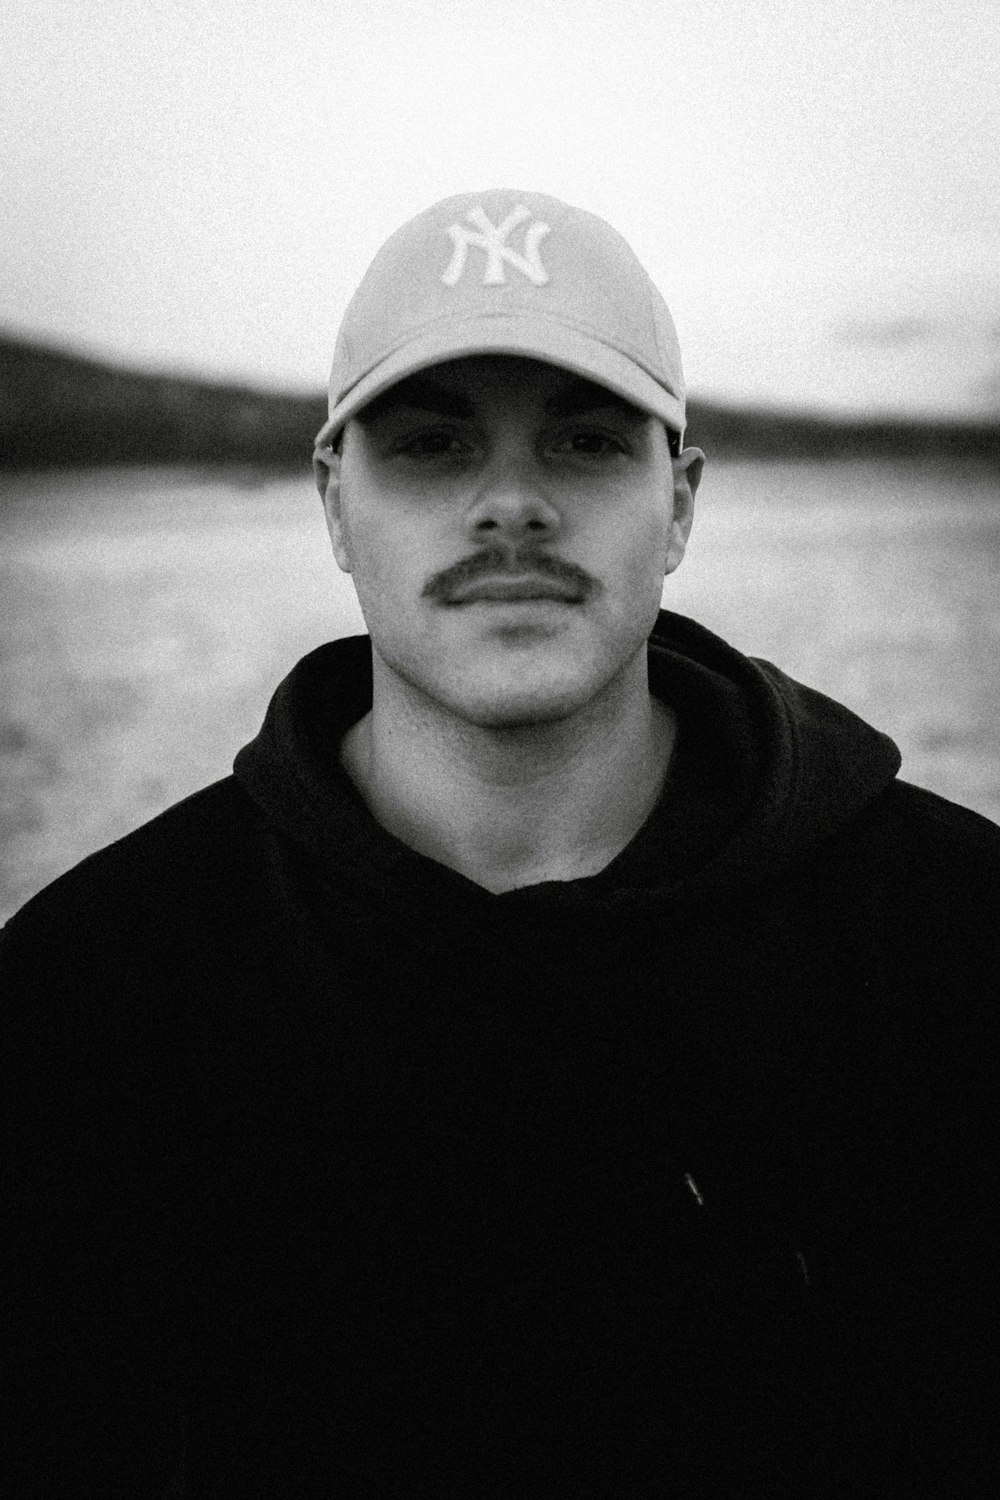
(334,1174)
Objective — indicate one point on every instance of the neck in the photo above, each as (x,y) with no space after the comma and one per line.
(509,807)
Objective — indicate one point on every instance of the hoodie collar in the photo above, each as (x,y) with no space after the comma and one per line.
(764,768)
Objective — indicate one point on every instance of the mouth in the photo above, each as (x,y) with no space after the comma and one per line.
(517,590)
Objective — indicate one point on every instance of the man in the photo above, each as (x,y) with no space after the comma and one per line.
(558,1061)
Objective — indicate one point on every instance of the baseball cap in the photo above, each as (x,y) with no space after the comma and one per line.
(507,272)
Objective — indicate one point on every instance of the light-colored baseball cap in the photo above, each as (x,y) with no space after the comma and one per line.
(507,272)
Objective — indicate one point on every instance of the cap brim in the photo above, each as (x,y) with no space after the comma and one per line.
(550,342)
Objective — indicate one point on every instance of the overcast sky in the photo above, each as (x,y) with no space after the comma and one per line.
(813,184)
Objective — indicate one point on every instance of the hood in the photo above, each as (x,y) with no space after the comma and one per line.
(764,769)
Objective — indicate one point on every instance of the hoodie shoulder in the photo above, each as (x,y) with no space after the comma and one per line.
(916,879)
(181,855)
(942,836)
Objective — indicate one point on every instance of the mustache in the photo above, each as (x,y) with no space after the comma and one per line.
(495,561)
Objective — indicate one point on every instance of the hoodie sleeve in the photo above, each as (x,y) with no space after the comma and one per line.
(912,1178)
(92,1340)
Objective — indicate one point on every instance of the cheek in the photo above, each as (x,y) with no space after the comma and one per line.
(644,560)
(640,573)
(385,565)
(365,536)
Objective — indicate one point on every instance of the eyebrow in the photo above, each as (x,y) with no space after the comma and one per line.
(422,394)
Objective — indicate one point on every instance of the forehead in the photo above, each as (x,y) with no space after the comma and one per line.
(462,387)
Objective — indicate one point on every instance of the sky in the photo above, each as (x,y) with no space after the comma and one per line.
(198,185)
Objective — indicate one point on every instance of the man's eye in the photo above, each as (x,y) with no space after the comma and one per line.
(591,444)
(437,443)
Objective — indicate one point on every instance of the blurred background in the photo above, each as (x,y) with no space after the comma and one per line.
(190,193)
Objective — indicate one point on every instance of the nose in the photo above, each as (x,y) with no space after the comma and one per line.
(511,501)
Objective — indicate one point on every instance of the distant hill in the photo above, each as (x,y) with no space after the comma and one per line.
(63,410)
(60,409)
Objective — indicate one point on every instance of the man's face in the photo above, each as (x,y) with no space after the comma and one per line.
(508,527)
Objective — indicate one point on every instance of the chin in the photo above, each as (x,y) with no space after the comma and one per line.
(507,700)
(518,679)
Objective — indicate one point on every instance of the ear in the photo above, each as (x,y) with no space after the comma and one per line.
(326,468)
(687,468)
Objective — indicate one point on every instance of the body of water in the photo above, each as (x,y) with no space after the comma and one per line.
(146,617)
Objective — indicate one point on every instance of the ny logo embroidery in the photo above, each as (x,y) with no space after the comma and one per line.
(493,239)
